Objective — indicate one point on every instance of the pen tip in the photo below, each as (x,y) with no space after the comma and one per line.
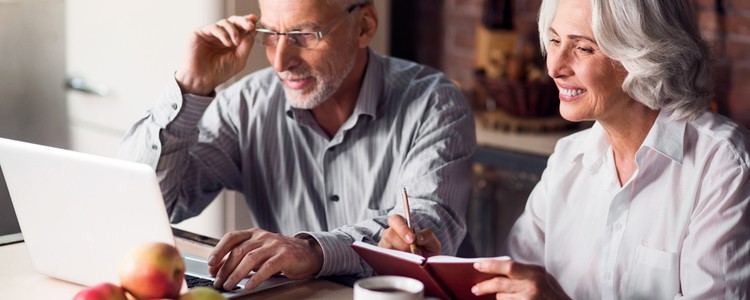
(404,189)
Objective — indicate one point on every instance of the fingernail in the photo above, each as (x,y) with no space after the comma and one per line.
(474,290)
(477,265)
(212,260)
(409,238)
(250,284)
(218,282)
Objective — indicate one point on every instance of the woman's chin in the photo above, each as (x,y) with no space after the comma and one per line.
(573,116)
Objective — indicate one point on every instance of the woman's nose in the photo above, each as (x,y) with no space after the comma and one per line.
(558,64)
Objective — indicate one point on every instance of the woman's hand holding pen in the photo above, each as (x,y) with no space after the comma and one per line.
(217,52)
(399,236)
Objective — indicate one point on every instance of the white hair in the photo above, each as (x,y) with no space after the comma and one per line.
(344,4)
(658,43)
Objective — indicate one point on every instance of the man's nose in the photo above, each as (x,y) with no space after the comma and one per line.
(285,55)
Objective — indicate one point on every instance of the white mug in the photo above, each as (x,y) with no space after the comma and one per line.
(388,288)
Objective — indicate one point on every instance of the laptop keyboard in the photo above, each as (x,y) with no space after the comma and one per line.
(193,281)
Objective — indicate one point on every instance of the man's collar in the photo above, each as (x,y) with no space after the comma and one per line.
(372,86)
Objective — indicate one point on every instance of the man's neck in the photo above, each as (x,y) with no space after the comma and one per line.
(332,113)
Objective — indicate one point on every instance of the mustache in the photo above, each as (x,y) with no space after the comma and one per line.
(294,75)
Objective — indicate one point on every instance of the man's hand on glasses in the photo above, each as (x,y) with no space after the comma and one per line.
(217,52)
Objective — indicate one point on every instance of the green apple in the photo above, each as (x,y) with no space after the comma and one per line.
(202,293)
(152,271)
(102,291)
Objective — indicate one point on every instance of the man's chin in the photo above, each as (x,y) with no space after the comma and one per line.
(302,105)
(310,96)
(300,101)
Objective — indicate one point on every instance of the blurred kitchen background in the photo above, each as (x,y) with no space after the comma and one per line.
(77,73)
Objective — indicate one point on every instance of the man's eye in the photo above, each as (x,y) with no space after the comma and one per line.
(268,35)
(304,36)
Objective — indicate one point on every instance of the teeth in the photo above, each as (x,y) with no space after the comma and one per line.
(572,92)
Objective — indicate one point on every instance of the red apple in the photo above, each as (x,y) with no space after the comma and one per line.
(152,271)
(202,293)
(131,297)
(103,291)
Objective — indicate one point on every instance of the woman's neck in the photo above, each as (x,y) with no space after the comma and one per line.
(626,134)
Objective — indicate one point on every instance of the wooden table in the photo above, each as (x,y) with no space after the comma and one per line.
(18,280)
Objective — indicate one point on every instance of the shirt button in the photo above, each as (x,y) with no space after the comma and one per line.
(335,198)
(618,226)
(174,106)
(154,146)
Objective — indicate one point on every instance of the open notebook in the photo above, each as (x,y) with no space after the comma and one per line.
(443,276)
(80,213)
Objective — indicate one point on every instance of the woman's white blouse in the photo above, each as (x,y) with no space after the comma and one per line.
(679,228)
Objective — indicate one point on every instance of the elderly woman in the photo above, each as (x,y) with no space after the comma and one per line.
(652,201)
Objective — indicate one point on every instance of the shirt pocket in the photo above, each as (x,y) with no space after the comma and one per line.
(655,275)
(377,207)
(381,204)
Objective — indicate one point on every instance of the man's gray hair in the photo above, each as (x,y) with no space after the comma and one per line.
(658,42)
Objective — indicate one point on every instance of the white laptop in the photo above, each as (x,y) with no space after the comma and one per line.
(80,213)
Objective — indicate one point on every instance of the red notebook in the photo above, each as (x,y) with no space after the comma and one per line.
(443,276)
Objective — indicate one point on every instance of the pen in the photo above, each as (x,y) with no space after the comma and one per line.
(407,213)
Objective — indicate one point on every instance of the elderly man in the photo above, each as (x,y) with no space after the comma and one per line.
(320,144)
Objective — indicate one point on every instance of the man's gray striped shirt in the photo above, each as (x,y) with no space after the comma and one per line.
(411,127)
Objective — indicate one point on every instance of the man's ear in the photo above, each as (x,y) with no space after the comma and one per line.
(368,25)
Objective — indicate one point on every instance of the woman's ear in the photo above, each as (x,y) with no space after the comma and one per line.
(368,25)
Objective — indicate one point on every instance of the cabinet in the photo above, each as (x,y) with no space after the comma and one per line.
(503,180)
(121,54)
(507,166)
(32,99)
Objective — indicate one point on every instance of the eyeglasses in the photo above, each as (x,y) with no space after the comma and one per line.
(301,39)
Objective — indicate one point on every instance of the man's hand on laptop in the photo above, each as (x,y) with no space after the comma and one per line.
(265,253)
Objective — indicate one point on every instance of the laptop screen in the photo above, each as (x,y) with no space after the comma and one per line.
(10,232)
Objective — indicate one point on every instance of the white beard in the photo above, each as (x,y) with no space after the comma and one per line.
(325,85)
(323,88)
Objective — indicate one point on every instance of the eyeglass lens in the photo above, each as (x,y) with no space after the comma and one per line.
(298,39)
